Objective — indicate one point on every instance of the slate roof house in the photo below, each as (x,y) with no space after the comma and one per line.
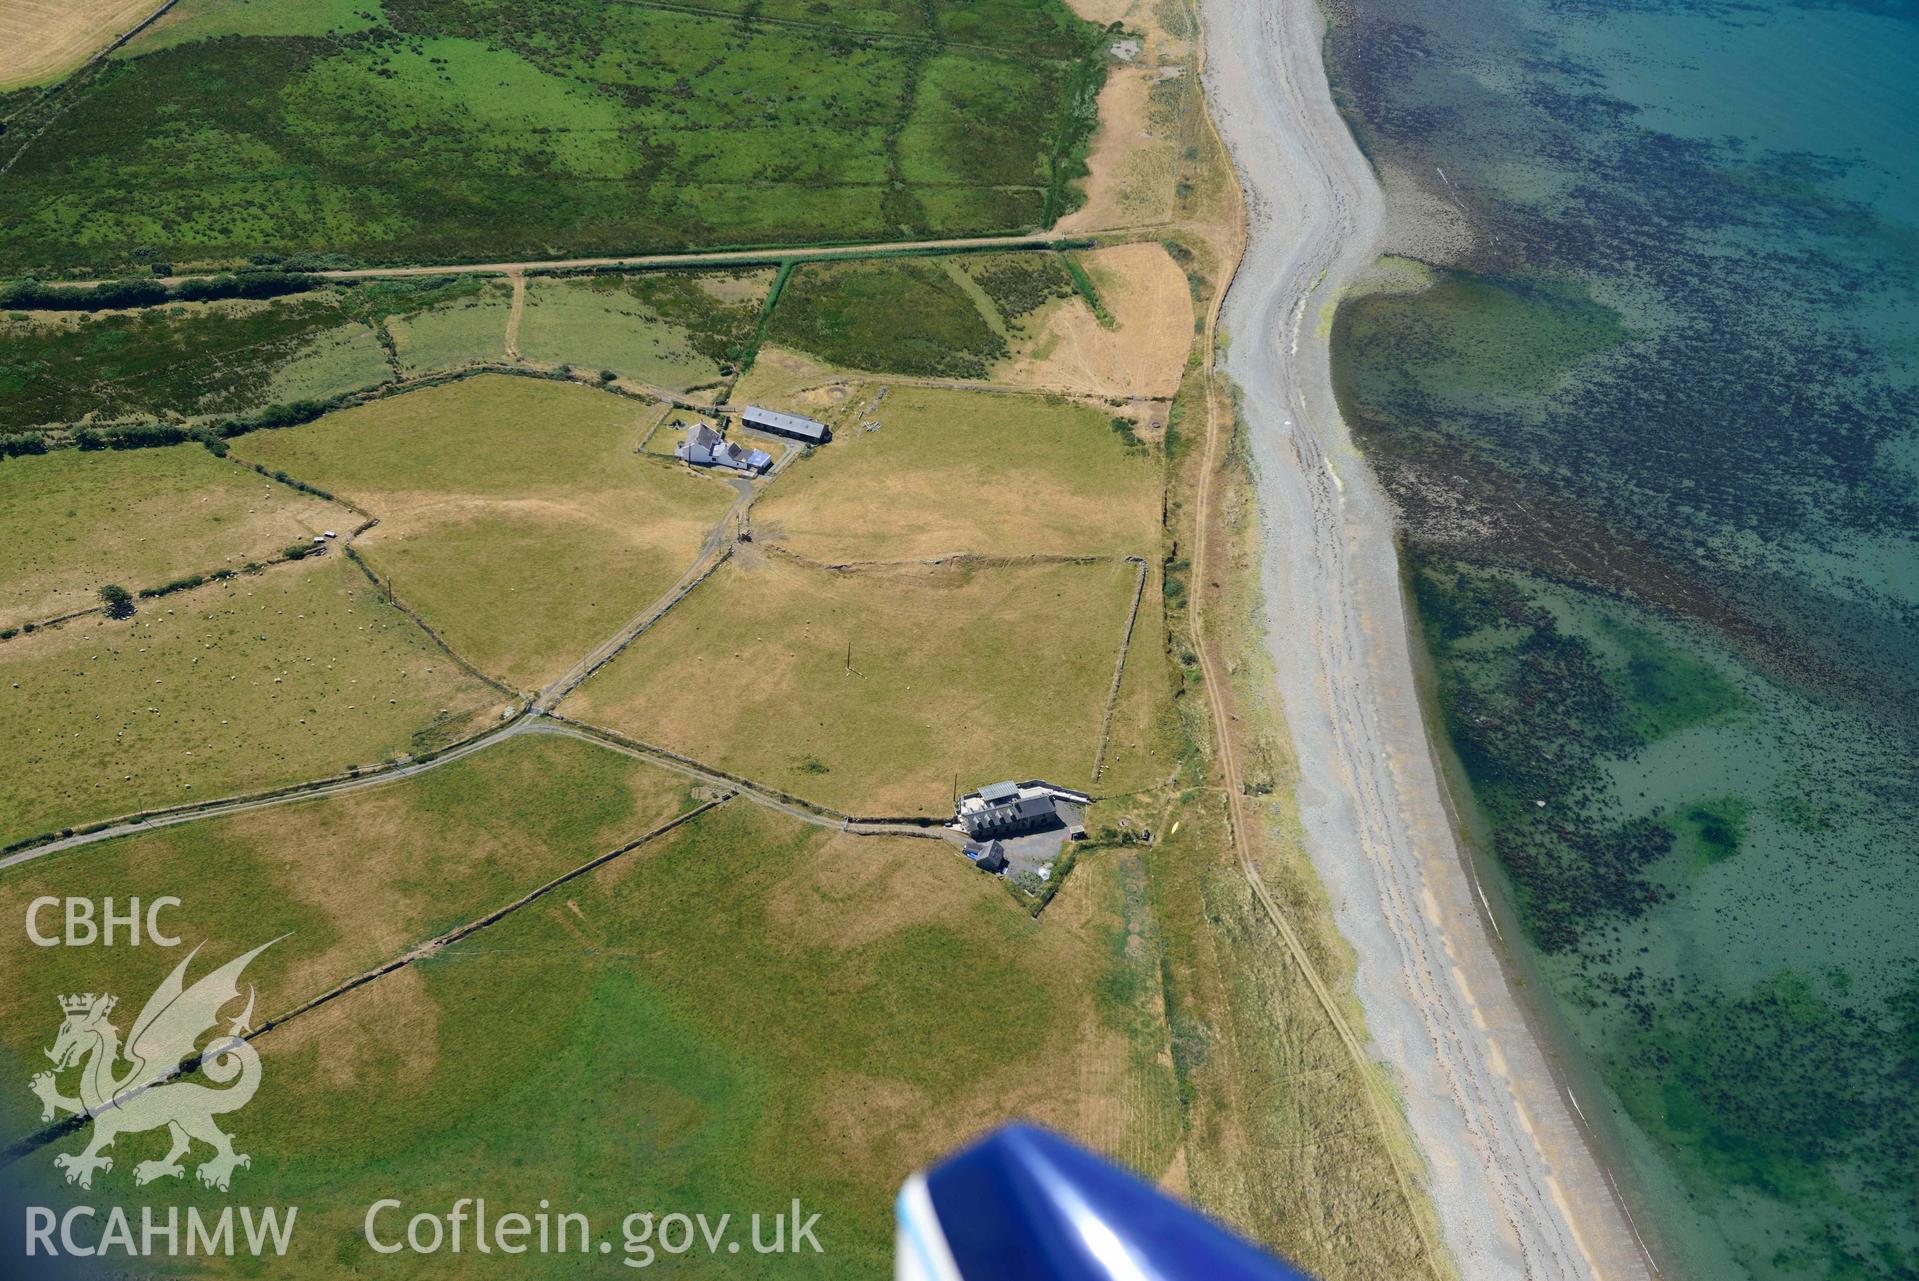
(704,447)
(990,857)
(793,425)
(1006,809)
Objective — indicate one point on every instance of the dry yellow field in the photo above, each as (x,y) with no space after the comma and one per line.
(1131,173)
(267,679)
(872,691)
(780,376)
(1143,354)
(949,472)
(73,520)
(515,514)
(43,39)
(1150,112)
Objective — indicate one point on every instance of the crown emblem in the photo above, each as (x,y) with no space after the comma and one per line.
(84,1001)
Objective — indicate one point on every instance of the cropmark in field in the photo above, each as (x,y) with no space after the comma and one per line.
(918,472)
(516,516)
(352,880)
(746,1011)
(263,680)
(73,521)
(873,691)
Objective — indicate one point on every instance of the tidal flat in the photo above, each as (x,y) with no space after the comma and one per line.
(1649,408)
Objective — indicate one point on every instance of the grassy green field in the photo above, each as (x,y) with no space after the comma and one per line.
(750,673)
(748,1011)
(185,359)
(467,328)
(343,359)
(442,130)
(933,317)
(956,471)
(267,679)
(72,521)
(677,330)
(897,315)
(515,515)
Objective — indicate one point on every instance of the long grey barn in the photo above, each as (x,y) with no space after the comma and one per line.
(771,420)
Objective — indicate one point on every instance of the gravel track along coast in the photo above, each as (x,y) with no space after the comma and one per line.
(1518,1190)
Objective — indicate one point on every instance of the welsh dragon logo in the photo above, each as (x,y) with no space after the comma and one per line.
(141,1095)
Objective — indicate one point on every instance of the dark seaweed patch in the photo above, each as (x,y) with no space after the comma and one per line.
(1691,459)
(1677,375)
(1771,1089)
(1534,715)
(1717,829)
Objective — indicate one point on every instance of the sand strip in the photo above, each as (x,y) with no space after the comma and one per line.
(1518,1190)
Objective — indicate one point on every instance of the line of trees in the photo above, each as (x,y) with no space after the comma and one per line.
(33,295)
(154,435)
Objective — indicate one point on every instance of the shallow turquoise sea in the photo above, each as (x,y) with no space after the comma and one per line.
(1655,440)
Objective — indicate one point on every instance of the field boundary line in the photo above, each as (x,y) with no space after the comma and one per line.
(650,393)
(223,573)
(556,723)
(386,589)
(1119,669)
(399,385)
(638,626)
(352,553)
(684,259)
(658,607)
(984,387)
(32,625)
(421,951)
(368,520)
(783,272)
(983,560)
(646,438)
(758,793)
(351,779)
(34,847)
(715,544)
(209,578)
(440,942)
